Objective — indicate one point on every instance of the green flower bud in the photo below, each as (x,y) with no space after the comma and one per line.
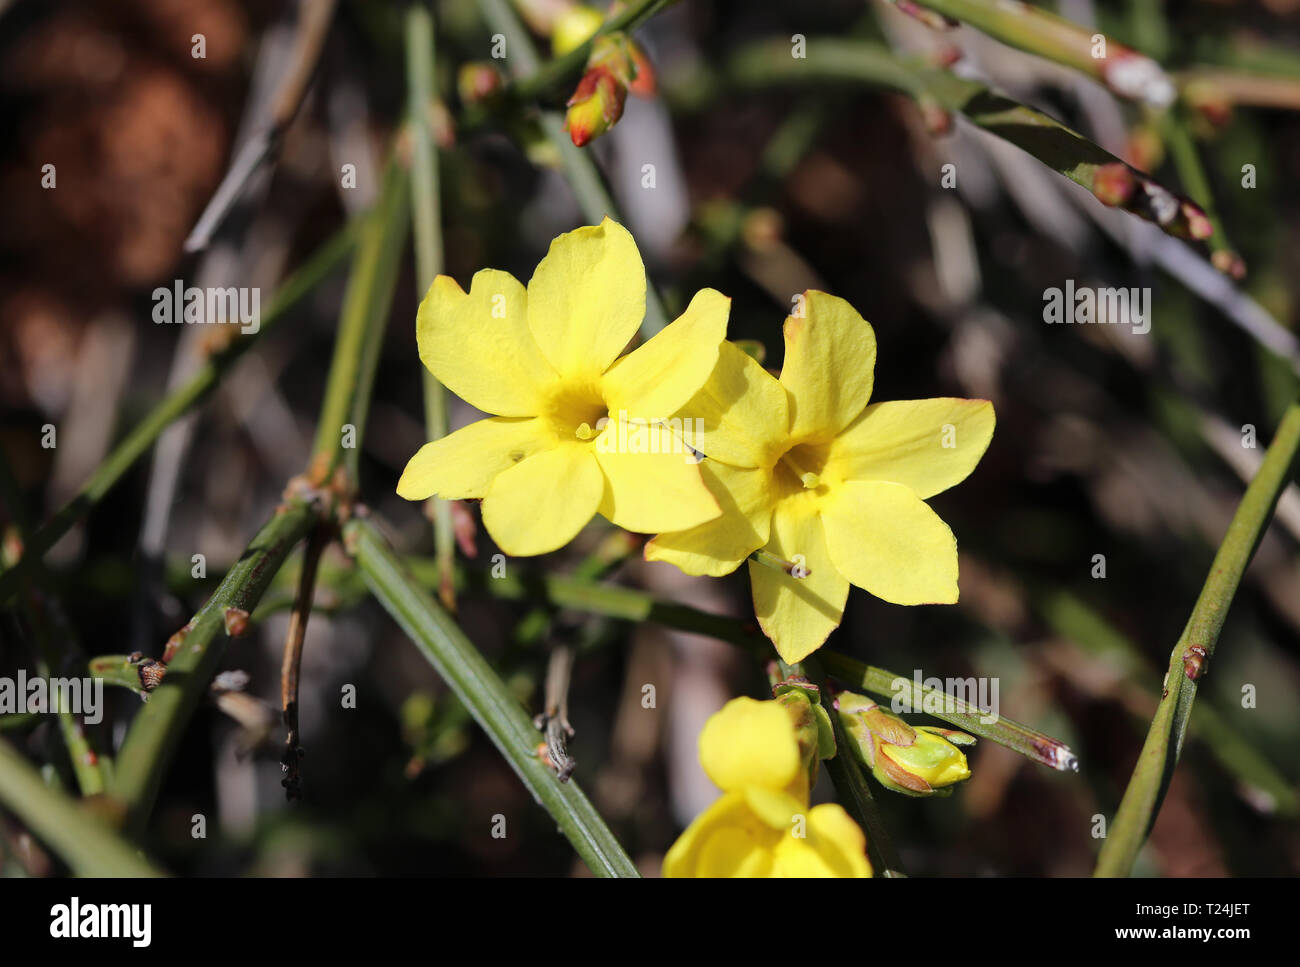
(915,761)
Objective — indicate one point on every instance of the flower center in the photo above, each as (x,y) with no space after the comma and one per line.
(801,469)
(575,412)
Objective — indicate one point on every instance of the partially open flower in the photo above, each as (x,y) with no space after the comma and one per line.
(915,761)
(758,753)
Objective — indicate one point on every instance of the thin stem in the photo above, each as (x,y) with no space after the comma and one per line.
(291,665)
(366,303)
(156,732)
(427,216)
(174,406)
(488,699)
(580,168)
(1193,651)
(1065,151)
(88,846)
(1191,172)
(1035,31)
(919,697)
(852,788)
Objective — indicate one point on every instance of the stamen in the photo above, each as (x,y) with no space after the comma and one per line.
(584,432)
(768,559)
(809,479)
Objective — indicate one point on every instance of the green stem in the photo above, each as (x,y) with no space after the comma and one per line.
(427,216)
(1065,151)
(157,730)
(481,690)
(88,846)
(1030,743)
(176,405)
(852,788)
(580,169)
(1191,172)
(1035,31)
(1164,742)
(365,309)
(1075,621)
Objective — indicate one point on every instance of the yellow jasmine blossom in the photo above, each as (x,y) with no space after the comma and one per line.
(544,361)
(807,470)
(762,825)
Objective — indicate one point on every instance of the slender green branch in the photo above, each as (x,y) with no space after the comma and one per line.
(1191,172)
(366,303)
(1076,622)
(1193,651)
(1036,31)
(919,697)
(156,731)
(1065,151)
(427,216)
(579,166)
(852,787)
(84,842)
(481,690)
(176,405)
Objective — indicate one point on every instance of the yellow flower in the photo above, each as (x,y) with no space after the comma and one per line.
(805,469)
(762,825)
(760,832)
(545,361)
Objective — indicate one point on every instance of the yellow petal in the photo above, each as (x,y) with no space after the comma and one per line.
(654,380)
(742,412)
(587,299)
(798,613)
(749,743)
(652,481)
(888,541)
(718,546)
(833,847)
(830,360)
(479,345)
(540,504)
(727,839)
(928,445)
(463,464)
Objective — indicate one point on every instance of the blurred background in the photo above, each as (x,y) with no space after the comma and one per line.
(1108,442)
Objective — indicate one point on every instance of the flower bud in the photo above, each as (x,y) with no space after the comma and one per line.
(477,82)
(595,107)
(915,761)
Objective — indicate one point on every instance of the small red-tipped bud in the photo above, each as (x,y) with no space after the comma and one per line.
(476,82)
(595,107)
(1229,263)
(1114,184)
